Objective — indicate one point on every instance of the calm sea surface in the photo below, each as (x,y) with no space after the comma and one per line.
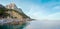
(44,24)
(37,24)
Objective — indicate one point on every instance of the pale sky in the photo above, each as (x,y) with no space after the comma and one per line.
(38,9)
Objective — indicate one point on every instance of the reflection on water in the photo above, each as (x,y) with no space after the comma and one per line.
(42,24)
(12,26)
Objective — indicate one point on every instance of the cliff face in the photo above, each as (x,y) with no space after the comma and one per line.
(11,11)
(15,8)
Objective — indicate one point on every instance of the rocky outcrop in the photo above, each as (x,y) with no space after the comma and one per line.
(12,6)
(11,11)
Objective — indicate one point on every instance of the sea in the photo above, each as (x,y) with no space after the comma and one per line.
(36,24)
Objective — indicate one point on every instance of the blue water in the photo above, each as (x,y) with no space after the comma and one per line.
(37,24)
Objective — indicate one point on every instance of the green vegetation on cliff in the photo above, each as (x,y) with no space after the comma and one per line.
(2,12)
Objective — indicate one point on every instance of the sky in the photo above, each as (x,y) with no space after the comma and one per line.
(38,9)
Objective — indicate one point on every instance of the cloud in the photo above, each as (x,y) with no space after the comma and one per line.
(40,11)
(57,8)
(36,12)
(55,16)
